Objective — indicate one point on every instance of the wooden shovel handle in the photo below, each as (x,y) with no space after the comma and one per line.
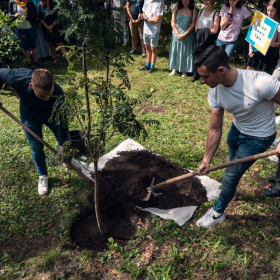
(44,143)
(212,168)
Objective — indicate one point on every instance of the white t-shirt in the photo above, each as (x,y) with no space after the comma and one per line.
(249,102)
(152,8)
(231,31)
(275,35)
(23,12)
(117,4)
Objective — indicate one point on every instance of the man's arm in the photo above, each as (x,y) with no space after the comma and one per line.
(276,99)
(128,11)
(156,19)
(6,77)
(18,79)
(213,139)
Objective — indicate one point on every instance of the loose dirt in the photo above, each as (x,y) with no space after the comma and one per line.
(123,182)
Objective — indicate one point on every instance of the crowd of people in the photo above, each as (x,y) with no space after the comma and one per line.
(39,32)
(202,43)
(193,31)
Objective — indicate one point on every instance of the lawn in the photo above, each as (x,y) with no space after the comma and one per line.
(35,232)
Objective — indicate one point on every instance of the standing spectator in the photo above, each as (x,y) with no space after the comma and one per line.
(206,28)
(50,28)
(152,14)
(119,15)
(26,31)
(43,48)
(232,15)
(182,41)
(134,8)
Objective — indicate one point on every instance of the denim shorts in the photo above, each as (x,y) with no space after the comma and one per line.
(28,38)
(151,40)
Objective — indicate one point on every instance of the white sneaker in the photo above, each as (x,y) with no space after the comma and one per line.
(210,219)
(143,55)
(173,72)
(184,74)
(43,185)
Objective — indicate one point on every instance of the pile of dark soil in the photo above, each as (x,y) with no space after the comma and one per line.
(123,183)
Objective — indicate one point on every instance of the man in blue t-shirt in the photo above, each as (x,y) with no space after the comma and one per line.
(134,8)
(34,90)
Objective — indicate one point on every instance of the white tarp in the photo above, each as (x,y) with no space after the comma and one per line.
(181,214)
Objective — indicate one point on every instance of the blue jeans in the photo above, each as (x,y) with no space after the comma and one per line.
(228,47)
(28,38)
(239,146)
(37,148)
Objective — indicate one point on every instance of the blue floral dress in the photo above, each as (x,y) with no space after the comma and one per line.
(180,54)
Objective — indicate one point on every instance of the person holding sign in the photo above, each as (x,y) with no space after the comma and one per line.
(232,15)
(256,60)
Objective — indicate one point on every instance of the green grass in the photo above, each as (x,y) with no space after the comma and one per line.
(35,231)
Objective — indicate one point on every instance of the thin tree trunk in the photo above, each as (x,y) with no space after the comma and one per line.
(87,100)
(96,197)
(95,154)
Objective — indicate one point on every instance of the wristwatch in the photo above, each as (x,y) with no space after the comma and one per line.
(146,19)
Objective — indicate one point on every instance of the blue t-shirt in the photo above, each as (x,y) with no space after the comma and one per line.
(136,7)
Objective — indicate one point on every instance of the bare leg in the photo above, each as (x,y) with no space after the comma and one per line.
(27,55)
(154,55)
(63,52)
(34,55)
(52,48)
(149,53)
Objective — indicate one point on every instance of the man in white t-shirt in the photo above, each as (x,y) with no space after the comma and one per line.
(250,97)
(152,14)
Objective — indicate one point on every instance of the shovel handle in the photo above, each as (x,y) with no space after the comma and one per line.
(44,143)
(212,168)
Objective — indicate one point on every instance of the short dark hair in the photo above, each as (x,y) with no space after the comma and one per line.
(238,4)
(213,57)
(42,78)
(191,5)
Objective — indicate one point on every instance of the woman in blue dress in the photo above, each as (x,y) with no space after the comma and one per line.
(183,38)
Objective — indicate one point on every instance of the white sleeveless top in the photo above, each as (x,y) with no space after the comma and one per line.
(205,22)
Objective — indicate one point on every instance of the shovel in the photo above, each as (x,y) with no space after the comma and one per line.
(158,187)
(45,143)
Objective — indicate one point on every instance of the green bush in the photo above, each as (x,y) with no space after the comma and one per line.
(9,43)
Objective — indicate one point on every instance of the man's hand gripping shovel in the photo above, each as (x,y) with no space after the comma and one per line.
(45,143)
(158,187)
